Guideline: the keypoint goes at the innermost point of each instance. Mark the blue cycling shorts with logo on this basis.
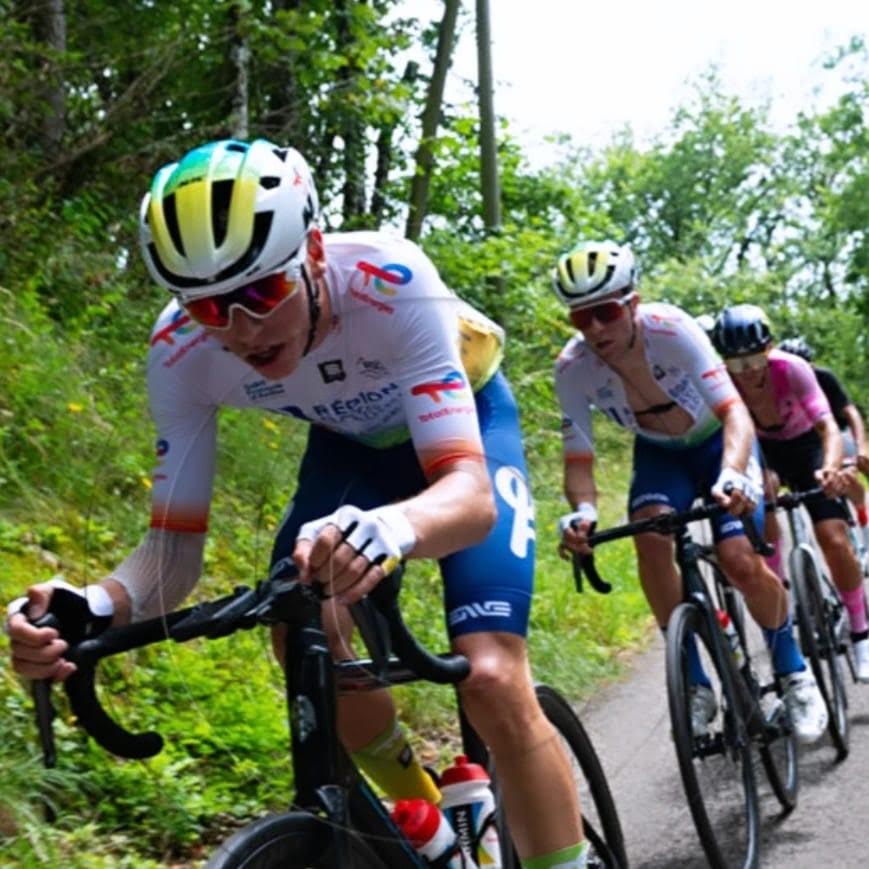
(487, 587)
(675, 477)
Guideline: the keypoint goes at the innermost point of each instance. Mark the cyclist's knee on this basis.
(498, 696)
(741, 564)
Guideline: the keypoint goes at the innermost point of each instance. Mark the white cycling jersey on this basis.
(683, 362)
(402, 360)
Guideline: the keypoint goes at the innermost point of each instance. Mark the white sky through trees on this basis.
(589, 69)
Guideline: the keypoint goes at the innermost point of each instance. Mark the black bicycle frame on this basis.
(327, 783)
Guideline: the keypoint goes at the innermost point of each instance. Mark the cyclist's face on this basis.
(274, 344)
(608, 332)
(749, 372)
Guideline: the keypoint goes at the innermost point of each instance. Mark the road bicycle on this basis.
(820, 616)
(336, 820)
(717, 766)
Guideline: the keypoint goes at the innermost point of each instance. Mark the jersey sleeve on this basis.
(805, 389)
(185, 452)
(437, 396)
(576, 430)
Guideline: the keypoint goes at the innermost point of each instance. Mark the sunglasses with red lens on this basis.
(606, 312)
(258, 299)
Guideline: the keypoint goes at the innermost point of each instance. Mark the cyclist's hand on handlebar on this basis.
(832, 480)
(574, 529)
(736, 492)
(37, 652)
(351, 550)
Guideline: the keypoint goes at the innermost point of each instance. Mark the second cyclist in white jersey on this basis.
(651, 369)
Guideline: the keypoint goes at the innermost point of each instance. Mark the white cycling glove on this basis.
(384, 533)
(585, 512)
(741, 482)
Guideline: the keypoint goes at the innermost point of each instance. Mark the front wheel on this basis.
(714, 750)
(296, 840)
(820, 645)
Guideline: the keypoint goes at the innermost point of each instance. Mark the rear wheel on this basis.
(815, 620)
(292, 841)
(716, 764)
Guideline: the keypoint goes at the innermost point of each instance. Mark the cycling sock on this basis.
(855, 603)
(388, 760)
(696, 673)
(786, 656)
(572, 857)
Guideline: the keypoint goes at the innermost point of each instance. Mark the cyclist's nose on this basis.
(242, 326)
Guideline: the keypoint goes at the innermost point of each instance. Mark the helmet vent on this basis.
(262, 223)
(171, 215)
(237, 146)
(281, 154)
(221, 195)
(269, 181)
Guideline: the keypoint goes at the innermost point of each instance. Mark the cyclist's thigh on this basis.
(337, 470)
(488, 587)
(662, 476)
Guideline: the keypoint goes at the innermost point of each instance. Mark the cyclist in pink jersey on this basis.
(414, 451)
(801, 443)
(650, 368)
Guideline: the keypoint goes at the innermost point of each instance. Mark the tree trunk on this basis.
(489, 183)
(49, 27)
(239, 56)
(352, 126)
(424, 153)
(488, 144)
(384, 154)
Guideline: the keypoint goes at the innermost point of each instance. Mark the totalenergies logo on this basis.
(385, 278)
(180, 325)
(452, 386)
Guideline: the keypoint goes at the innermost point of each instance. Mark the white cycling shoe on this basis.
(703, 709)
(805, 705)
(861, 658)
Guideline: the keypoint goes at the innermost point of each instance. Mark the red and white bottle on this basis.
(431, 834)
(469, 804)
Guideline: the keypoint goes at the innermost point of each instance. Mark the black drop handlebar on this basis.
(662, 523)
(270, 602)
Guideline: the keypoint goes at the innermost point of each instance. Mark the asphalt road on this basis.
(629, 724)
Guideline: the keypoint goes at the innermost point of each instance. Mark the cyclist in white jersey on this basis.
(651, 369)
(414, 450)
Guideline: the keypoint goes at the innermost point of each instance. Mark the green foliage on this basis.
(719, 208)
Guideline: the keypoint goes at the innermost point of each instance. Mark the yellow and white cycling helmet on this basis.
(594, 269)
(225, 213)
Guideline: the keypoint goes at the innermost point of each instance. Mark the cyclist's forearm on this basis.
(159, 573)
(579, 486)
(858, 430)
(737, 437)
(832, 443)
(455, 511)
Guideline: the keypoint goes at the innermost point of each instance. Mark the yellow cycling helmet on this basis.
(225, 213)
(594, 269)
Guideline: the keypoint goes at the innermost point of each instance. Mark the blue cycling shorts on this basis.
(676, 476)
(486, 587)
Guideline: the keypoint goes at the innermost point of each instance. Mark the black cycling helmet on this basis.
(798, 347)
(741, 330)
